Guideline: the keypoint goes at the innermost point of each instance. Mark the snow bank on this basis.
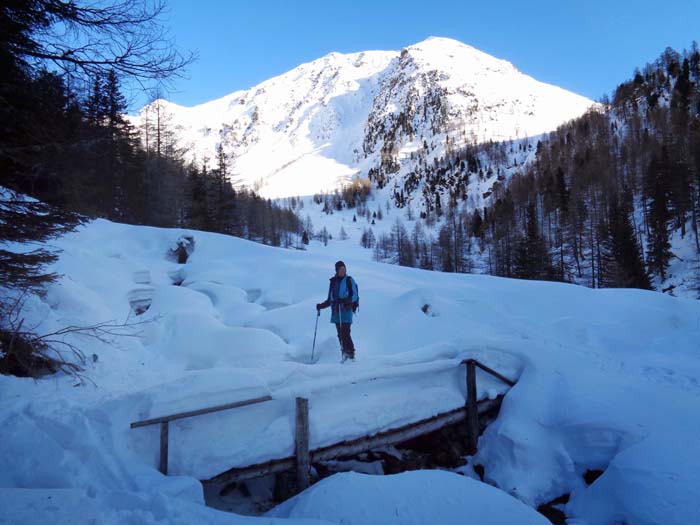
(116, 508)
(409, 498)
(654, 481)
(621, 376)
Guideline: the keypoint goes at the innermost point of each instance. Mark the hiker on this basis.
(343, 298)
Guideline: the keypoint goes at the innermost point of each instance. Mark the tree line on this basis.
(64, 141)
(599, 204)
(608, 191)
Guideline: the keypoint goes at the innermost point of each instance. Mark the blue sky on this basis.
(585, 46)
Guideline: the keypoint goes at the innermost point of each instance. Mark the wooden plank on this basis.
(359, 445)
(472, 409)
(255, 471)
(301, 442)
(164, 448)
(389, 437)
(200, 412)
(400, 434)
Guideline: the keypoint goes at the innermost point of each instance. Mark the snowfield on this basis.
(607, 379)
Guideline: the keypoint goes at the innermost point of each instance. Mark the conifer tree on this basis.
(658, 214)
(622, 260)
(532, 260)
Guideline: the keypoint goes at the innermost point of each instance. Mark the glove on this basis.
(318, 307)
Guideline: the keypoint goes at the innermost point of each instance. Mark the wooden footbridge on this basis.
(304, 456)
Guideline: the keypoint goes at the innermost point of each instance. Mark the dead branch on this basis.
(25, 353)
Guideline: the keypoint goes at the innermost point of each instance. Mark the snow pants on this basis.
(346, 343)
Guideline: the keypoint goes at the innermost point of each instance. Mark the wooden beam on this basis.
(255, 471)
(359, 445)
(301, 442)
(472, 409)
(389, 437)
(164, 448)
(491, 371)
(200, 412)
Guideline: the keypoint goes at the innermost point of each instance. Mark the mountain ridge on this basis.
(342, 115)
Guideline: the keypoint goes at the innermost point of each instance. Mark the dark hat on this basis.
(338, 265)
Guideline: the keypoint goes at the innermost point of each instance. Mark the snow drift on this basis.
(607, 380)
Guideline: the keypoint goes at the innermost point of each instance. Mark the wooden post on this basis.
(301, 441)
(164, 447)
(472, 409)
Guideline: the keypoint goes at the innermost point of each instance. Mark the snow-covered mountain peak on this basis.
(449, 54)
(344, 115)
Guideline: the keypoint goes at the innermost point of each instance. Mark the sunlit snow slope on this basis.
(326, 121)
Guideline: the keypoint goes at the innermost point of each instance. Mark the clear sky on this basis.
(584, 46)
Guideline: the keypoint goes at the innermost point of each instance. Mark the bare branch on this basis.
(127, 36)
(24, 353)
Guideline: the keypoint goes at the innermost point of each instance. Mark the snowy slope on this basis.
(326, 121)
(606, 378)
(485, 98)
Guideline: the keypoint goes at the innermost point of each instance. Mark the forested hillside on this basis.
(65, 140)
(611, 199)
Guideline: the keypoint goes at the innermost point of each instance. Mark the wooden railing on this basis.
(471, 401)
(165, 420)
(304, 456)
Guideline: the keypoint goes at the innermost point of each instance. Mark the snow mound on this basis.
(409, 498)
(628, 491)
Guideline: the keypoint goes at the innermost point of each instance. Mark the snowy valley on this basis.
(456, 145)
(203, 241)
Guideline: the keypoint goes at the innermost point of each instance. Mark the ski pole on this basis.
(318, 314)
(342, 338)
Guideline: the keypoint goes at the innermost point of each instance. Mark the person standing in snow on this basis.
(343, 298)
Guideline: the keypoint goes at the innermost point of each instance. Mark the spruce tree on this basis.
(197, 216)
(28, 221)
(371, 239)
(532, 260)
(622, 256)
(658, 215)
